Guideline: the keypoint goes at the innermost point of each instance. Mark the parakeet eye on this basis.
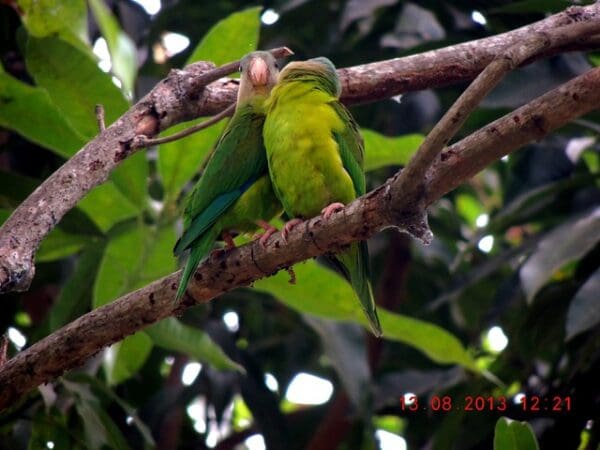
(276, 66)
(241, 69)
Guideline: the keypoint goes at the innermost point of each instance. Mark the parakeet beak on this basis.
(259, 72)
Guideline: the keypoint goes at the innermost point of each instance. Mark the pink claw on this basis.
(288, 227)
(330, 209)
(228, 239)
(264, 237)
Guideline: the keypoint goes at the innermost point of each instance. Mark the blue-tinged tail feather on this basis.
(199, 249)
(354, 264)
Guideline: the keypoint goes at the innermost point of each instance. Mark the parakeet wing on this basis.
(351, 147)
(236, 163)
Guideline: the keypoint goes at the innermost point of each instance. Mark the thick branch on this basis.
(412, 180)
(456, 63)
(528, 123)
(71, 345)
(182, 96)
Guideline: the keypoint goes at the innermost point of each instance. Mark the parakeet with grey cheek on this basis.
(234, 192)
(315, 157)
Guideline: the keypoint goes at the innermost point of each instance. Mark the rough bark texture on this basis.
(182, 96)
(71, 345)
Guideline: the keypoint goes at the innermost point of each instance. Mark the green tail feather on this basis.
(354, 264)
(198, 250)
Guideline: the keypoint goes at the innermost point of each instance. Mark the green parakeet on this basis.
(234, 192)
(315, 156)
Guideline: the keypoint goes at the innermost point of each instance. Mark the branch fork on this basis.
(401, 201)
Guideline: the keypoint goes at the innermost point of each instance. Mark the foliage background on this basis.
(517, 247)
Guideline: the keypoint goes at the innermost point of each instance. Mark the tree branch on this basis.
(456, 63)
(143, 141)
(412, 180)
(184, 95)
(71, 345)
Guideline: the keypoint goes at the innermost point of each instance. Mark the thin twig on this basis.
(100, 117)
(142, 141)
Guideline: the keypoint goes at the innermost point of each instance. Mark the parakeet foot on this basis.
(269, 231)
(228, 239)
(330, 209)
(289, 226)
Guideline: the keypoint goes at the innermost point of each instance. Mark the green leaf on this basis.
(180, 160)
(58, 245)
(438, 344)
(513, 435)
(106, 206)
(346, 348)
(321, 292)
(584, 310)
(4, 214)
(30, 112)
(49, 426)
(131, 177)
(468, 207)
(171, 334)
(122, 50)
(50, 17)
(98, 386)
(135, 255)
(567, 242)
(229, 39)
(75, 296)
(100, 430)
(381, 151)
(532, 6)
(75, 83)
(124, 359)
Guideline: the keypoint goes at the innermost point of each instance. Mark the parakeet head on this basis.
(259, 74)
(320, 70)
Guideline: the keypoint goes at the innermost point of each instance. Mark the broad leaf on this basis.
(59, 244)
(345, 346)
(124, 359)
(228, 40)
(513, 435)
(131, 178)
(100, 430)
(30, 112)
(180, 160)
(49, 426)
(134, 256)
(122, 50)
(50, 17)
(75, 83)
(106, 206)
(75, 296)
(381, 151)
(566, 243)
(98, 386)
(171, 334)
(321, 292)
(584, 310)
